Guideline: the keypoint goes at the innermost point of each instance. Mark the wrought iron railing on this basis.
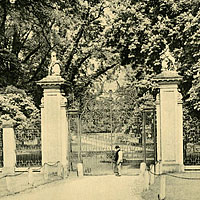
(28, 147)
(191, 145)
(191, 153)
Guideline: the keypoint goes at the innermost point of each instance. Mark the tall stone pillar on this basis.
(9, 147)
(54, 131)
(169, 121)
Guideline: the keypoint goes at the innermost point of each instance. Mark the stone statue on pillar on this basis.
(54, 67)
(168, 60)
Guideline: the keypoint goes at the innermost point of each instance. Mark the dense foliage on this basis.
(141, 31)
(17, 106)
(74, 29)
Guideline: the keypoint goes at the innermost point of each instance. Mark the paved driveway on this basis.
(86, 188)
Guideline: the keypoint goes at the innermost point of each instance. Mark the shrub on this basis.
(17, 106)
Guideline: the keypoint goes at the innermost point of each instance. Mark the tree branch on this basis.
(99, 14)
(31, 53)
(2, 27)
(71, 55)
(80, 34)
(76, 67)
(98, 74)
(4, 16)
(43, 32)
(25, 39)
(38, 68)
(83, 60)
(16, 44)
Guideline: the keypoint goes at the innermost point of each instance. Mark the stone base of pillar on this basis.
(173, 167)
(8, 170)
(182, 168)
(65, 172)
(80, 169)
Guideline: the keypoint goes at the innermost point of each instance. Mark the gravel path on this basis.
(86, 188)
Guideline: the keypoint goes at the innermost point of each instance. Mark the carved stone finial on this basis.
(54, 67)
(7, 123)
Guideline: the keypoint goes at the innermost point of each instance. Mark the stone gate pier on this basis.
(169, 122)
(54, 126)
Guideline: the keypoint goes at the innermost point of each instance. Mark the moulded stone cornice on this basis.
(167, 77)
(51, 81)
(7, 124)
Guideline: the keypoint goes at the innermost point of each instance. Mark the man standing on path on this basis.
(118, 161)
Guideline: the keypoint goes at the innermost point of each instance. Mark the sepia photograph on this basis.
(99, 99)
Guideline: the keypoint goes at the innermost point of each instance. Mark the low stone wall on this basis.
(20, 181)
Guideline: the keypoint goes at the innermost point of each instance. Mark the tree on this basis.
(27, 38)
(16, 106)
(194, 91)
(140, 32)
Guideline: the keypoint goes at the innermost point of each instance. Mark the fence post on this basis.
(142, 168)
(65, 170)
(142, 174)
(9, 147)
(60, 169)
(152, 178)
(80, 169)
(162, 183)
(157, 168)
(8, 183)
(30, 177)
(146, 180)
(45, 171)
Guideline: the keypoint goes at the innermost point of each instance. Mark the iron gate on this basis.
(103, 127)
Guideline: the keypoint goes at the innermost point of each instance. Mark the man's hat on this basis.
(117, 147)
